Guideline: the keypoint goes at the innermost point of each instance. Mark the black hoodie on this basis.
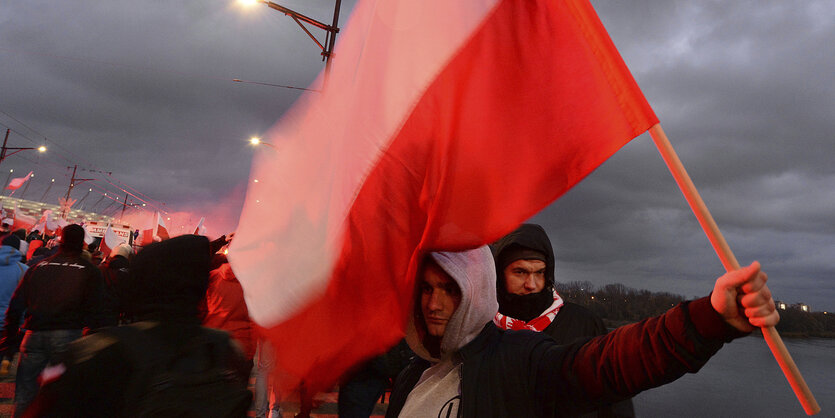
(572, 322)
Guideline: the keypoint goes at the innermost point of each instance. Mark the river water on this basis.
(744, 380)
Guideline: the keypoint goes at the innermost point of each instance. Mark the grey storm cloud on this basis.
(744, 89)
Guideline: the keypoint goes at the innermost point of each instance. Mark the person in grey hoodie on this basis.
(469, 367)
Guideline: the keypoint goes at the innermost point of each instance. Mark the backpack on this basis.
(194, 378)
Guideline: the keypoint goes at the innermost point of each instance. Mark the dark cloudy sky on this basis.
(745, 90)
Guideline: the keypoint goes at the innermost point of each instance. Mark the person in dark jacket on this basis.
(528, 300)
(469, 367)
(99, 377)
(60, 296)
(115, 272)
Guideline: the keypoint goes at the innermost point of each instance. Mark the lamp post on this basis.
(26, 187)
(47, 190)
(4, 154)
(9, 177)
(300, 19)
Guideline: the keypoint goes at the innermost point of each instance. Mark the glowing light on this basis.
(254, 140)
(53, 180)
(11, 171)
(247, 3)
(41, 148)
(256, 180)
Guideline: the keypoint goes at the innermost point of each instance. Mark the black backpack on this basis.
(192, 378)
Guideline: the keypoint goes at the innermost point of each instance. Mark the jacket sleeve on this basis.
(631, 358)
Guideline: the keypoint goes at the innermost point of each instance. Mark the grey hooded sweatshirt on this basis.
(437, 393)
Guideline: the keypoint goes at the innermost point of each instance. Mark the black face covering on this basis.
(525, 307)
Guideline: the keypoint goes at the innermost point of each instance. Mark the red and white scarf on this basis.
(537, 324)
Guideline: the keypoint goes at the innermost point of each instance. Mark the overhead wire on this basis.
(55, 164)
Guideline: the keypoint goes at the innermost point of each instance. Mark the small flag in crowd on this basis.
(110, 241)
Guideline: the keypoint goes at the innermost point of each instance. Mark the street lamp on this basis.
(300, 19)
(255, 141)
(4, 154)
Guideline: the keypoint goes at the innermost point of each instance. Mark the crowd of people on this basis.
(165, 331)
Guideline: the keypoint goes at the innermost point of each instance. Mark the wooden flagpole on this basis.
(772, 338)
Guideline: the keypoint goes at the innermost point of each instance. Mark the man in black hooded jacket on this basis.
(528, 300)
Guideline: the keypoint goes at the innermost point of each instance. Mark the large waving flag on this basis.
(17, 182)
(445, 124)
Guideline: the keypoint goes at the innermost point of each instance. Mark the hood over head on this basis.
(474, 272)
(168, 279)
(529, 241)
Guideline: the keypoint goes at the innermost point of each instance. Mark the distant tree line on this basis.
(618, 304)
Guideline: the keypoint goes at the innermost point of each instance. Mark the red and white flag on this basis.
(161, 230)
(110, 240)
(157, 232)
(46, 224)
(200, 229)
(445, 124)
(22, 221)
(17, 182)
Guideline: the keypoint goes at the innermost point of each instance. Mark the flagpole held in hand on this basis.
(772, 338)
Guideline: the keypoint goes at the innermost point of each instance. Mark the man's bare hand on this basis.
(744, 300)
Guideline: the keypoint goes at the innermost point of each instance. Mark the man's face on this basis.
(523, 277)
(439, 298)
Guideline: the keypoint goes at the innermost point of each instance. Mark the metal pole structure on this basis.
(3, 152)
(124, 206)
(331, 42)
(331, 31)
(108, 207)
(47, 190)
(73, 181)
(7, 177)
(25, 188)
(97, 202)
(82, 199)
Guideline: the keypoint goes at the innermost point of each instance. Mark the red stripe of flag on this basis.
(529, 104)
